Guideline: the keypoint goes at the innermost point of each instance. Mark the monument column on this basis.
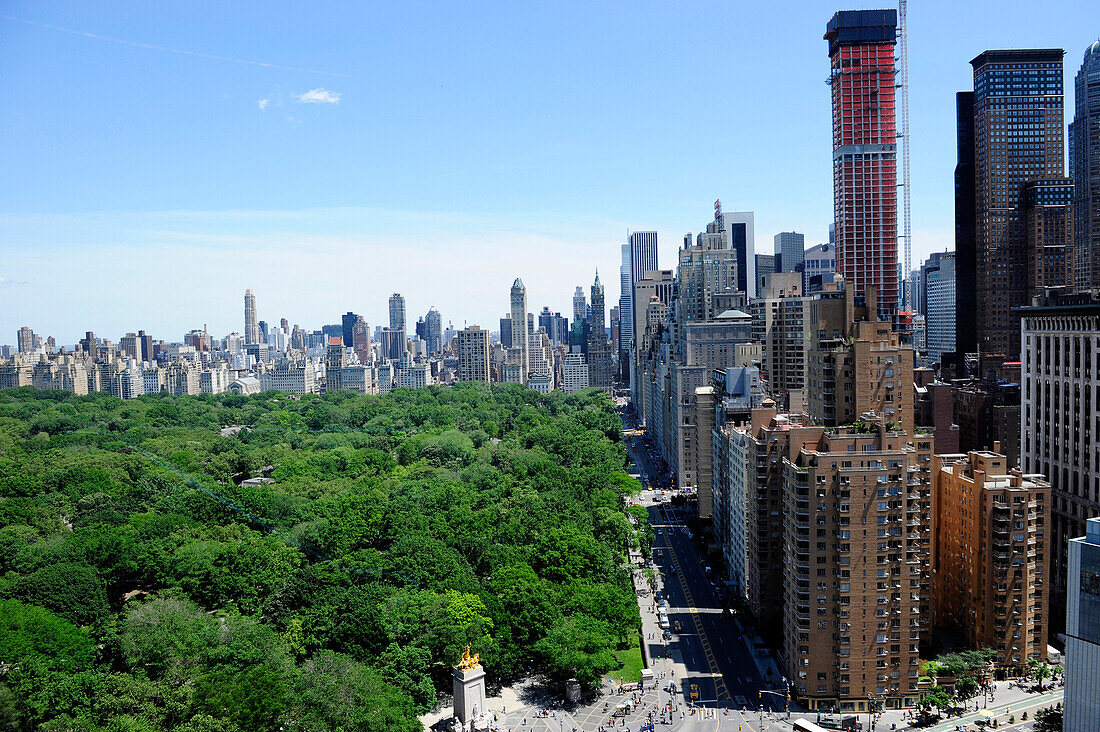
(469, 688)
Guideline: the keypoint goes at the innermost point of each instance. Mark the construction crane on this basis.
(906, 231)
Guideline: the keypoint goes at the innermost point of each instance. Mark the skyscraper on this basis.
(580, 309)
(434, 330)
(599, 348)
(347, 323)
(639, 258)
(790, 249)
(25, 338)
(865, 195)
(939, 294)
(520, 339)
(1018, 122)
(1084, 163)
(251, 325)
(397, 311)
(360, 339)
(738, 233)
(966, 252)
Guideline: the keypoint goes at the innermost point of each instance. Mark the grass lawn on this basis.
(631, 660)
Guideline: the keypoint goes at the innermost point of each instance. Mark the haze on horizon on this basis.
(163, 159)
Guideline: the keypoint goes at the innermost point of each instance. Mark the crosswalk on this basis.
(720, 690)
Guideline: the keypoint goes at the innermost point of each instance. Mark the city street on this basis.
(710, 650)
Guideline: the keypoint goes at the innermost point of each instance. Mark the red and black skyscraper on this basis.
(865, 175)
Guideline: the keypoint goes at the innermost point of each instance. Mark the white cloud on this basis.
(263, 103)
(319, 96)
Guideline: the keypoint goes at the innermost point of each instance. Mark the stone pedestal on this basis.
(469, 693)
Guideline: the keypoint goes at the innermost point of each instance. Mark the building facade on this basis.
(251, 325)
(856, 567)
(1082, 697)
(790, 250)
(1018, 136)
(1047, 215)
(471, 346)
(939, 301)
(397, 311)
(857, 363)
(1084, 169)
(865, 197)
(1061, 418)
(520, 336)
(992, 555)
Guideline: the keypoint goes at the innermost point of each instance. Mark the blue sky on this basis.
(159, 158)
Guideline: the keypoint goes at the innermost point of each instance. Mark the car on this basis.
(677, 626)
(658, 532)
(693, 692)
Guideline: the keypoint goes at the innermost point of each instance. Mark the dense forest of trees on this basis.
(143, 588)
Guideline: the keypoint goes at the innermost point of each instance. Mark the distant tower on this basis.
(434, 323)
(397, 311)
(519, 326)
(251, 325)
(580, 308)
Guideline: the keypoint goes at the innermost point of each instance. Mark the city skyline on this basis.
(318, 233)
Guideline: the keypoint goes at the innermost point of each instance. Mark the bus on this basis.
(804, 725)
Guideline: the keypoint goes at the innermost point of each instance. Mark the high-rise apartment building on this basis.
(26, 340)
(433, 323)
(656, 286)
(938, 284)
(1082, 710)
(1084, 169)
(471, 347)
(779, 323)
(865, 176)
(574, 373)
(1060, 422)
(790, 250)
(749, 457)
(1018, 136)
(397, 311)
(360, 340)
(857, 363)
(856, 567)
(520, 336)
(1047, 215)
(251, 325)
(992, 555)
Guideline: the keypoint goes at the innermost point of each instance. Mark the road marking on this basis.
(720, 690)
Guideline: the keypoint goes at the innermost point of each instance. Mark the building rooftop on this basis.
(1018, 55)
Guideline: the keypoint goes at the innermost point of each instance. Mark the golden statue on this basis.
(468, 662)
